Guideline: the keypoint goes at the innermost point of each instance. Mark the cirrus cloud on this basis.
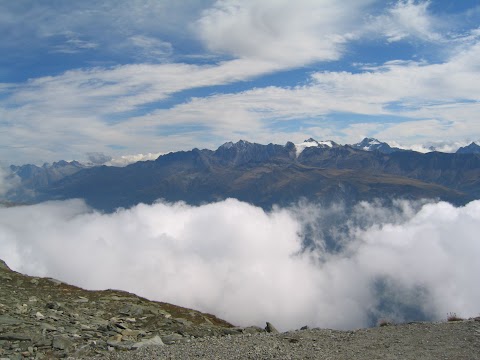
(231, 84)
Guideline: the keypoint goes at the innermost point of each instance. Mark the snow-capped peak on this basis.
(371, 144)
(314, 143)
(227, 145)
(241, 144)
(327, 143)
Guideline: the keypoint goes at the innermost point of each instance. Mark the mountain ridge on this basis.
(263, 175)
(372, 144)
(473, 148)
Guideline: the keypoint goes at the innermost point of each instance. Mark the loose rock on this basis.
(270, 328)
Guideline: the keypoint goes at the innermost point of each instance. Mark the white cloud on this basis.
(72, 44)
(80, 109)
(109, 26)
(125, 160)
(442, 99)
(151, 49)
(436, 101)
(98, 158)
(407, 18)
(442, 146)
(247, 266)
(282, 32)
(413, 83)
(104, 108)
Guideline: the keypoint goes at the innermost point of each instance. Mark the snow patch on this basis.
(125, 160)
(313, 143)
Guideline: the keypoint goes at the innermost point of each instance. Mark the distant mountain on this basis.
(47, 173)
(371, 144)
(269, 174)
(328, 144)
(34, 177)
(473, 148)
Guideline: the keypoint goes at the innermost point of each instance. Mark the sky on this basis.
(126, 78)
(249, 266)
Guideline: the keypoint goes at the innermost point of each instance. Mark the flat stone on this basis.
(81, 300)
(232, 331)
(120, 345)
(15, 337)
(9, 320)
(128, 332)
(155, 341)
(253, 330)
(21, 309)
(156, 311)
(48, 327)
(116, 338)
(172, 338)
(132, 310)
(55, 281)
(121, 326)
(62, 343)
(81, 351)
(39, 315)
(98, 322)
(43, 342)
(116, 298)
(53, 317)
(184, 322)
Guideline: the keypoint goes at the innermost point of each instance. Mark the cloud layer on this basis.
(247, 266)
(279, 31)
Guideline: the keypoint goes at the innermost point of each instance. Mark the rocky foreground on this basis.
(459, 340)
(46, 318)
(43, 318)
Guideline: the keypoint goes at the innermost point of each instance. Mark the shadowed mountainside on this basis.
(274, 174)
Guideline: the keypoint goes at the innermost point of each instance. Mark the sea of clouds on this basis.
(307, 264)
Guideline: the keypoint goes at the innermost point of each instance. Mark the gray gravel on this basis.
(448, 340)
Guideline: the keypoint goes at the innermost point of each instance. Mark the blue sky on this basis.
(152, 76)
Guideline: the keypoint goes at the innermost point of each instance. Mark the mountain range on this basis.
(263, 175)
(473, 148)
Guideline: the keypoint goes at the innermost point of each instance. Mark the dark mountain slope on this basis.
(34, 177)
(456, 171)
(272, 174)
(473, 148)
